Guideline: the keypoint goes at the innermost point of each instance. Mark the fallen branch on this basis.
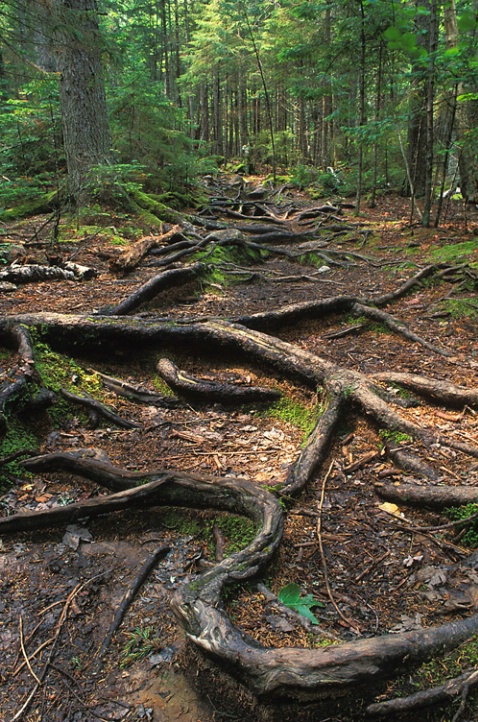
(133, 255)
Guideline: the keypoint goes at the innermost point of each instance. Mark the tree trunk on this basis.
(87, 138)
(417, 119)
(432, 47)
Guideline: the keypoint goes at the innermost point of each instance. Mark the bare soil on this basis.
(61, 588)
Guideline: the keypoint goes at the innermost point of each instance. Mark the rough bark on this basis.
(77, 49)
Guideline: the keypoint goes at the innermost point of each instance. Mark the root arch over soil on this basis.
(287, 673)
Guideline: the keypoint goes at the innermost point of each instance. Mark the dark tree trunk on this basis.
(86, 131)
(417, 121)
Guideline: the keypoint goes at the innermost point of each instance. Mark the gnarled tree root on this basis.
(426, 698)
(210, 391)
(289, 672)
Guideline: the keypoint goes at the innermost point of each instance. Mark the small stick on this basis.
(128, 598)
(24, 651)
(54, 639)
(349, 622)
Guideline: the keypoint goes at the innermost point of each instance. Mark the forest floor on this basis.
(65, 585)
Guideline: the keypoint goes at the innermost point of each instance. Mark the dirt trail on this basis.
(381, 577)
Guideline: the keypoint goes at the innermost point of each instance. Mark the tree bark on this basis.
(77, 48)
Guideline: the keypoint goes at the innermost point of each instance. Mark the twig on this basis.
(24, 652)
(54, 639)
(350, 623)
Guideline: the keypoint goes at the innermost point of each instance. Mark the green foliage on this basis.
(237, 530)
(291, 597)
(108, 182)
(141, 642)
(149, 134)
(470, 538)
(437, 671)
(398, 437)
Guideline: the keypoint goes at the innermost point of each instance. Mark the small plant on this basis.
(140, 643)
(291, 597)
(76, 663)
(460, 307)
(398, 437)
(463, 513)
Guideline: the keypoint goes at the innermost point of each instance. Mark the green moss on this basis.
(57, 371)
(457, 513)
(237, 530)
(162, 387)
(437, 671)
(454, 251)
(43, 204)
(218, 256)
(18, 437)
(295, 413)
(460, 307)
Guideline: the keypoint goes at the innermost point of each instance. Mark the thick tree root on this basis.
(431, 497)
(161, 282)
(426, 698)
(291, 672)
(270, 673)
(210, 391)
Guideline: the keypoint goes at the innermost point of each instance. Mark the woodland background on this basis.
(365, 94)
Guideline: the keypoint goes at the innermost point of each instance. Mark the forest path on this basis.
(382, 578)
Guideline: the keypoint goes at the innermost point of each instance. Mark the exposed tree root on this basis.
(444, 693)
(210, 391)
(90, 403)
(139, 395)
(161, 282)
(431, 497)
(291, 672)
(134, 254)
(128, 598)
(270, 673)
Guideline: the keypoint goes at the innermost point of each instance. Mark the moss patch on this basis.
(238, 531)
(454, 251)
(295, 413)
(19, 437)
